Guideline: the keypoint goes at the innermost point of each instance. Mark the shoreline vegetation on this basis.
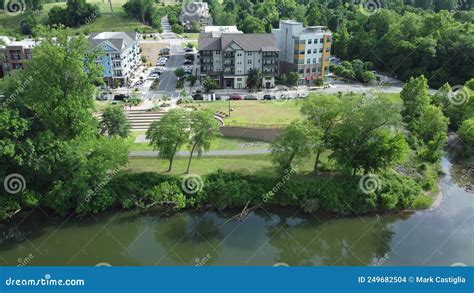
(349, 153)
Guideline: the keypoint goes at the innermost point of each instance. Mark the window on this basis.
(308, 61)
(320, 50)
(249, 53)
(321, 40)
(315, 41)
(320, 59)
(249, 61)
(218, 52)
(301, 71)
(239, 79)
(307, 70)
(328, 49)
(314, 60)
(310, 41)
(315, 51)
(313, 70)
(308, 52)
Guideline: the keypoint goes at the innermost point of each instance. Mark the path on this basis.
(207, 154)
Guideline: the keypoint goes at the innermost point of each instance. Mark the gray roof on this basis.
(248, 42)
(119, 40)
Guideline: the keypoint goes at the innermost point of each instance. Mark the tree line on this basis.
(400, 39)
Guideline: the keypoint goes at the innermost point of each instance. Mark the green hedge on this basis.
(230, 190)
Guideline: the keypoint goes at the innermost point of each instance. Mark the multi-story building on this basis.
(195, 13)
(228, 57)
(15, 54)
(121, 56)
(303, 50)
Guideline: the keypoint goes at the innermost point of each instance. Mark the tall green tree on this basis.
(322, 112)
(114, 122)
(364, 123)
(203, 129)
(431, 130)
(295, 143)
(169, 134)
(466, 133)
(53, 141)
(415, 99)
(254, 78)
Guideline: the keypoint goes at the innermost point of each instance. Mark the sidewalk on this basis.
(207, 154)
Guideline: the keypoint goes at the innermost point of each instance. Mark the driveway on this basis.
(168, 79)
(207, 154)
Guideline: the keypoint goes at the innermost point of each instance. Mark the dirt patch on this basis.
(151, 50)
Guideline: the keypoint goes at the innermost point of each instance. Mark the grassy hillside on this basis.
(108, 21)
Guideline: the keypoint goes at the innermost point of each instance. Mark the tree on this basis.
(252, 25)
(27, 25)
(209, 84)
(368, 76)
(322, 112)
(192, 79)
(295, 143)
(169, 134)
(179, 72)
(431, 131)
(254, 78)
(177, 28)
(415, 99)
(53, 141)
(364, 120)
(383, 149)
(466, 133)
(203, 129)
(292, 78)
(76, 13)
(114, 122)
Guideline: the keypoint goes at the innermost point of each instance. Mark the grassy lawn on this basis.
(263, 112)
(259, 112)
(108, 21)
(205, 165)
(221, 143)
(190, 35)
(247, 164)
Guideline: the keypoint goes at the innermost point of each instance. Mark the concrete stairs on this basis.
(140, 120)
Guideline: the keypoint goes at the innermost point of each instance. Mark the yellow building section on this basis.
(299, 47)
(326, 45)
(299, 56)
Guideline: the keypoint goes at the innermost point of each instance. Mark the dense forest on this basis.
(430, 37)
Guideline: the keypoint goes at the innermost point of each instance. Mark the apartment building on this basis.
(121, 57)
(228, 57)
(305, 50)
(15, 54)
(195, 12)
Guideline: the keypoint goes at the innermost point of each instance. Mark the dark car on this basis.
(121, 97)
(236, 97)
(198, 97)
(268, 97)
(250, 98)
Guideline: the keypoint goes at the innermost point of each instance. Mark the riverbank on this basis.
(266, 236)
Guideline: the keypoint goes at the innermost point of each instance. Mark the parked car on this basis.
(250, 98)
(187, 61)
(268, 97)
(121, 97)
(153, 76)
(302, 95)
(187, 49)
(198, 97)
(236, 97)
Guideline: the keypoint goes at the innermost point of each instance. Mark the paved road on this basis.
(209, 153)
(168, 78)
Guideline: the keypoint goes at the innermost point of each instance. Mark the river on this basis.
(440, 237)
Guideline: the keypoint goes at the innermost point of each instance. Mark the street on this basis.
(168, 79)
